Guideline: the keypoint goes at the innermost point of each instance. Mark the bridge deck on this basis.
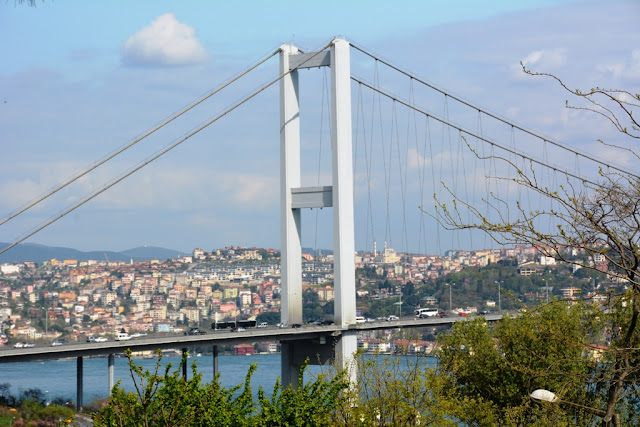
(213, 338)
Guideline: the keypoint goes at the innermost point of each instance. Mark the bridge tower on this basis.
(339, 196)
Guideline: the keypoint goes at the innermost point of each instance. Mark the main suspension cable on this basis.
(474, 135)
(163, 152)
(492, 115)
(135, 141)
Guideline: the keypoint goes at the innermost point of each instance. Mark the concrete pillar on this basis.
(291, 304)
(79, 390)
(290, 219)
(215, 361)
(111, 372)
(290, 369)
(343, 220)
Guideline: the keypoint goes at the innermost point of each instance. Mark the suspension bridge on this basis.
(389, 148)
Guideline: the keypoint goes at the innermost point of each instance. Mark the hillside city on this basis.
(77, 299)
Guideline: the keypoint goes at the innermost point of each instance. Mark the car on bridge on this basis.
(123, 336)
(195, 331)
(96, 339)
(60, 341)
(392, 317)
(24, 344)
(139, 335)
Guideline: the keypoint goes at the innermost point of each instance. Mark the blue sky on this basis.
(82, 78)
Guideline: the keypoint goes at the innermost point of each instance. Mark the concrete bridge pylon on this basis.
(339, 196)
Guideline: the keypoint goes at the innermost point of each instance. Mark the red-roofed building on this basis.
(243, 349)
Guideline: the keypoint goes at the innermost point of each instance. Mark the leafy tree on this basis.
(406, 391)
(271, 317)
(309, 404)
(328, 309)
(5, 395)
(168, 399)
(598, 220)
(311, 307)
(547, 348)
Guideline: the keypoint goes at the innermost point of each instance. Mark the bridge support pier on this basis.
(345, 349)
(111, 372)
(215, 361)
(79, 383)
(289, 368)
(295, 352)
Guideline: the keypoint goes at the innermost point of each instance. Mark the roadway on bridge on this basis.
(212, 338)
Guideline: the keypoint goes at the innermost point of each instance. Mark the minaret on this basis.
(375, 250)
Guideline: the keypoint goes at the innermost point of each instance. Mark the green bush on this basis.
(170, 400)
(8, 416)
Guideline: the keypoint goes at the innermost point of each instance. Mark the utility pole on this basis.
(546, 285)
(46, 323)
(499, 283)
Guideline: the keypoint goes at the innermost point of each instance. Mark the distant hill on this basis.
(39, 253)
(152, 252)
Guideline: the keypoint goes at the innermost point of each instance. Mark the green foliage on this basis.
(170, 400)
(32, 412)
(271, 317)
(312, 309)
(393, 391)
(8, 416)
(310, 404)
(503, 364)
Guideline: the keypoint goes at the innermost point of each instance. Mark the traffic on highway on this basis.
(220, 329)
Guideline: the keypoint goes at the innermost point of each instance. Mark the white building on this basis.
(10, 268)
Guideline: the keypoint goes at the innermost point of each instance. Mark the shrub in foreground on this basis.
(167, 399)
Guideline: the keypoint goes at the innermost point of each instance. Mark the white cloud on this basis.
(533, 57)
(546, 59)
(613, 69)
(628, 69)
(416, 160)
(166, 41)
(626, 97)
(614, 156)
(17, 193)
(513, 112)
(252, 190)
(540, 61)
